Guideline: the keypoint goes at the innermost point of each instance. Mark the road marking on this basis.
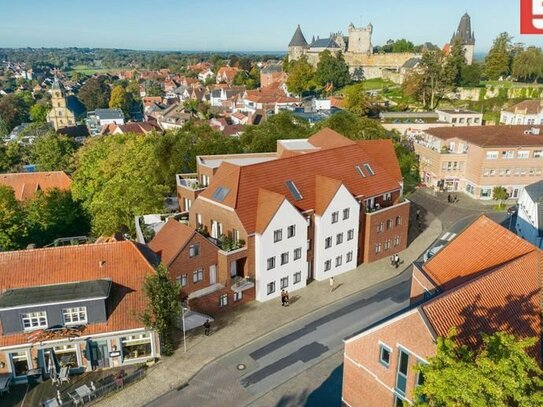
(448, 236)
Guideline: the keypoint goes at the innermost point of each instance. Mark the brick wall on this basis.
(419, 285)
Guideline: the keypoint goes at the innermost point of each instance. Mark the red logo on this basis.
(531, 16)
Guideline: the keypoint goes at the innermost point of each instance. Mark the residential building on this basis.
(59, 116)
(26, 184)
(527, 112)
(476, 159)
(271, 99)
(460, 117)
(205, 75)
(226, 74)
(192, 260)
(173, 117)
(497, 292)
(529, 223)
(316, 208)
(272, 75)
(101, 117)
(133, 127)
(83, 302)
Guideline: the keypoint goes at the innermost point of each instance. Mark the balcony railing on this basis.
(189, 181)
(242, 283)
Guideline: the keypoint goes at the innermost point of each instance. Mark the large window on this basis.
(491, 155)
(271, 287)
(339, 261)
(238, 295)
(378, 248)
(349, 257)
(77, 315)
(403, 366)
(136, 346)
(34, 320)
(277, 235)
(328, 243)
(223, 300)
(523, 154)
(291, 231)
(271, 263)
(198, 275)
(327, 265)
(297, 277)
(182, 280)
(19, 360)
(67, 355)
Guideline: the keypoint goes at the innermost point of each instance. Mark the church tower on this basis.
(297, 46)
(466, 37)
(59, 116)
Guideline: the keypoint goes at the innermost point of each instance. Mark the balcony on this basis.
(189, 181)
(240, 284)
(387, 205)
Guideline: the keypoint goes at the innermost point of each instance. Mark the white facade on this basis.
(460, 117)
(321, 104)
(336, 250)
(267, 247)
(528, 223)
(520, 118)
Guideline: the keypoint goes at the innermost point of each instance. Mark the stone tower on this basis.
(297, 46)
(360, 39)
(59, 116)
(466, 37)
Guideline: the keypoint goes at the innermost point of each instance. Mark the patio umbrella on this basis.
(53, 365)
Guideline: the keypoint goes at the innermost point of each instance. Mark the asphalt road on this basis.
(245, 375)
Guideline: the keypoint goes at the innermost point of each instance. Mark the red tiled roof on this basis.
(484, 245)
(325, 190)
(505, 299)
(490, 136)
(170, 240)
(328, 138)
(267, 206)
(381, 151)
(26, 184)
(122, 262)
(532, 107)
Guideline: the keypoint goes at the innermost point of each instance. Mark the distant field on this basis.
(89, 70)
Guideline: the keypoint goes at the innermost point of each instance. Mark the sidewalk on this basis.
(255, 320)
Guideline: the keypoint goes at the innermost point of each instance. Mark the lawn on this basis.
(90, 70)
(377, 83)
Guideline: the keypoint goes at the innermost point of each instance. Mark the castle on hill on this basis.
(357, 49)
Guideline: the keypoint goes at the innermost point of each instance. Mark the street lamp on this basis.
(184, 332)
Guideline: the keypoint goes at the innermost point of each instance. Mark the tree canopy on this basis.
(95, 93)
(14, 109)
(528, 65)
(53, 152)
(13, 229)
(121, 99)
(300, 76)
(332, 69)
(356, 100)
(497, 61)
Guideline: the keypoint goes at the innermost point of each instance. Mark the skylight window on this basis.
(360, 171)
(294, 190)
(369, 169)
(220, 193)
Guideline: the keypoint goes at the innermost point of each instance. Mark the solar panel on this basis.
(293, 190)
(360, 171)
(220, 193)
(369, 169)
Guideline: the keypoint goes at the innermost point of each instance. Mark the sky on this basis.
(243, 25)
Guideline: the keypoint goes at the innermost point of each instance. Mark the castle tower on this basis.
(59, 116)
(466, 37)
(360, 39)
(297, 46)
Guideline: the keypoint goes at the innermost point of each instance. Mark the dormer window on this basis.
(34, 320)
(74, 316)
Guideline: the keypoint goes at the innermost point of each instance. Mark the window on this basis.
(486, 192)
(507, 155)
(19, 360)
(378, 248)
(284, 282)
(291, 231)
(360, 172)
(387, 244)
(271, 263)
(194, 250)
(298, 253)
(538, 154)
(220, 193)
(223, 300)
(398, 220)
(136, 346)
(350, 234)
(328, 242)
(238, 295)
(308, 221)
(182, 280)
(339, 238)
(198, 275)
(297, 277)
(284, 258)
(403, 366)
(349, 257)
(387, 196)
(34, 320)
(271, 287)
(277, 235)
(398, 401)
(294, 190)
(198, 219)
(384, 355)
(327, 265)
(389, 223)
(339, 261)
(346, 213)
(77, 315)
(335, 217)
(369, 169)
(523, 154)
(396, 240)
(66, 355)
(380, 227)
(491, 155)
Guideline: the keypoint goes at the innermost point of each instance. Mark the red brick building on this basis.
(483, 288)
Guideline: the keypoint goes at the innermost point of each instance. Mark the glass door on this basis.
(401, 378)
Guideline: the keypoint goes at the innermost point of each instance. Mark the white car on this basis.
(432, 252)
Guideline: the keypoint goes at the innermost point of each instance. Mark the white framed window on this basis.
(327, 265)
(339, 261)
(182, 280)
(223, 300)
(270, 287)
(387, 244)
(335, 217)
(396, 240)
(384, 355)
(389, 223)
(538, 154)
(328, 242)
(350, 234)
(271, 263)
(491, 155)
(75, 315)
(349, 257)
(19, 363)
(194, 250)
(67, 355)
(238, 295)
(523, 154)
(339, 238)
(34, 320)
(136, 346)
(197, 275)
(508, 155)
(378, 248)
(398, 220)
(298, 253)
(486, 192)
(297, 277)
(277, 235)
(346, 213)
(284, 258)
(291, 231)
(284, 282)
(380, 227)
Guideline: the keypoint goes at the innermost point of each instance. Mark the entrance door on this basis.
(309, 270)
(233, 269)
(515, 192)
(99, 354)
(213, 274)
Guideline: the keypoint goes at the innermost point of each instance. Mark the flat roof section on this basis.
(214, 161)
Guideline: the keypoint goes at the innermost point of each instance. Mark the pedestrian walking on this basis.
(392, 261)
(283, 298)
(449, 198)
(396, 261)
(207, 327)
(331, 284)
(417, 214)
(287, 299)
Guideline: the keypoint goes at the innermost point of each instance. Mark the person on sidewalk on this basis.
(286, 298)
(207, 327)
(283, 298)
(331, 284)
(417, 214)
(392, 260)
(396, 260)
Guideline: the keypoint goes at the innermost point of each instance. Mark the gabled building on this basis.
(226, 74)
(26, 184)
(530, 214)
(527, 112)
(134, 127)
(492, 287)
(173, 117)
(316, 208)
(83, 302)
(102, 117)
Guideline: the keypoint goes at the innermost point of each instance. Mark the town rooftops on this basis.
(272, 68)
(491, 136)
(530, 107)
(108, 114)
(535, 191)
(26, 184)
(54, 293)
(324, 43)
(171, 239)
(485, 244)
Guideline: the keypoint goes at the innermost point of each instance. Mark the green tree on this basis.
(121, 99)
(53, 152)
(301, 76)
(500, 373)
(14, 110)
(12, 223)
(38, 112)
(455, 63)
(358, 74)
(94, 93)
(163, 307)
(435, 78)
(528, 65)
(332, 69)
(355, 99)
(153, 88)
(403, 45)
(499, 193)
(13, 156)
(497, 61)
(470, 75)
